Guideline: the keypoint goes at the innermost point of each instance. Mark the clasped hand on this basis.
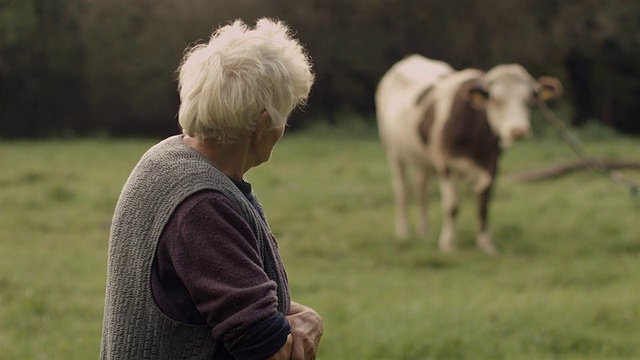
(306, 331)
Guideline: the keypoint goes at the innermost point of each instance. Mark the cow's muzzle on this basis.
(518, 133)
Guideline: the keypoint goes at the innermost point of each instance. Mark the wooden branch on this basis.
(563, 169)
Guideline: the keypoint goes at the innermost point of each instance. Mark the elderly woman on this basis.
(194, 270)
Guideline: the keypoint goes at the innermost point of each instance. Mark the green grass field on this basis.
(566, 285)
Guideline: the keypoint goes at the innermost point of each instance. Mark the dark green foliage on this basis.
(78, 67)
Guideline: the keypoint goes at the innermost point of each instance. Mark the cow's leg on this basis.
(423, 175)
(483, 238)
(449, 212)
(400, 190)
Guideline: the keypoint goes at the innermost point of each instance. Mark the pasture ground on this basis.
(566, 285)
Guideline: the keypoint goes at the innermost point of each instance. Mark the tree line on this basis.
(107, 67)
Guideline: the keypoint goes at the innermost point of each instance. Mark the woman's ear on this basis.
(264, 122)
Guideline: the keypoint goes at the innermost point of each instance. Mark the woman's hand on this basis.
(285, 351)
(306, 331)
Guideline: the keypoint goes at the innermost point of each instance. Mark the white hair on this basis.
(226, 84)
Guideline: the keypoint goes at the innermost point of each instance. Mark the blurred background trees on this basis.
(107, 67)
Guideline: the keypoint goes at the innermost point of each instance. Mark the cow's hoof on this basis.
(447, 248)
(451, 250)
(486, 245)
(402, 238)
(491, 250)
(488, 248)
(402, 234)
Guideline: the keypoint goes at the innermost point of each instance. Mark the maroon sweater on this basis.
(207, 271)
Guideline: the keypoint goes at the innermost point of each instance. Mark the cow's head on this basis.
(506, 93)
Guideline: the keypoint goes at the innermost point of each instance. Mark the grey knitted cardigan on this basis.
(133, 326)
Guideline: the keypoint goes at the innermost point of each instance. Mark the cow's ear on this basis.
(550, 88)
(478, 95)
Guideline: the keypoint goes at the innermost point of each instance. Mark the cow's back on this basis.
(398, 108)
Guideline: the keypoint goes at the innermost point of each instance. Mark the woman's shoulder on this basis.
(202, 200)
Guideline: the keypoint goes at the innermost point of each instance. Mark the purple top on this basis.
(208, 270)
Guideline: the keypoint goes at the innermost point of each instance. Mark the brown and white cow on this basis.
(454, 123)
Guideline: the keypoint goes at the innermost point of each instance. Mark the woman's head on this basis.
(226, 84)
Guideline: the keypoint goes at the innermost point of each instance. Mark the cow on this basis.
(453, 124)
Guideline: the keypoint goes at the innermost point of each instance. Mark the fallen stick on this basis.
(563, 169)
